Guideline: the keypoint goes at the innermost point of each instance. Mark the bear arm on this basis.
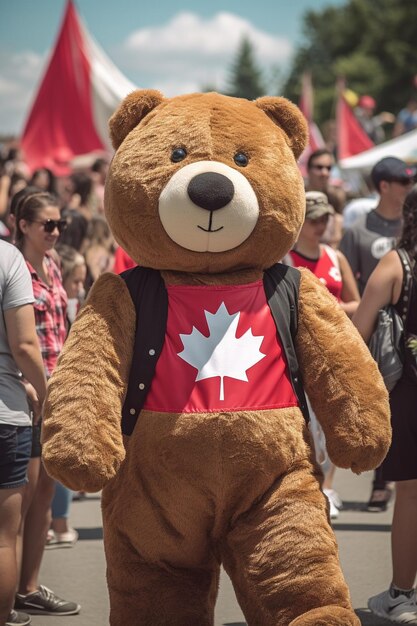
(81, 432)
(342, 380)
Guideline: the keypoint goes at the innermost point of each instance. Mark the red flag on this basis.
(351, 138)
(79, 91)
(306, 106)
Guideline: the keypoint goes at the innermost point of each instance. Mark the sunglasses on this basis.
(50, 225)
(322, 167)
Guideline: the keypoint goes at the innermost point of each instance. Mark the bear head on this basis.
(205, 182)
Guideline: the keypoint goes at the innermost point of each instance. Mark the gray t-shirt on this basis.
(366, 242)
(15, 290)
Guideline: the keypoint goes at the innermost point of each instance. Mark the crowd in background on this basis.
(80, 198)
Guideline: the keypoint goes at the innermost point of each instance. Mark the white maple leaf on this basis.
(221, 353)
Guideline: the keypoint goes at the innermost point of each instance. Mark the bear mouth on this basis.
(210, 224)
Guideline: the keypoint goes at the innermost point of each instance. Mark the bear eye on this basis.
(241, 159)
(178, 154)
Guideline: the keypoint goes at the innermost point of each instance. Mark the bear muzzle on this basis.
(208, 206)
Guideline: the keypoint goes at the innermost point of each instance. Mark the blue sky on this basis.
(173, 46)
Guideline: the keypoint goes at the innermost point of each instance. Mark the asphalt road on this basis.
(78, 573)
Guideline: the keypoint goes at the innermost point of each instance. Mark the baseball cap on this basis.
(392, 169)
(317, 204)
(367, 102)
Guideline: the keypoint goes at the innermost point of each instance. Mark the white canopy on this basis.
(403, 147)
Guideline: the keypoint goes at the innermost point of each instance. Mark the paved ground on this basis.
(364, 542)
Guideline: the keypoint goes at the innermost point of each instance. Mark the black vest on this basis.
(149, 295)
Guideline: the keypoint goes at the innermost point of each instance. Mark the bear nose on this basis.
(210, 190)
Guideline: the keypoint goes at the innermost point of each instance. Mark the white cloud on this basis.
(189, 51)
(20, 75)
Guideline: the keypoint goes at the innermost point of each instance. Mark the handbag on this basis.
(387, 343)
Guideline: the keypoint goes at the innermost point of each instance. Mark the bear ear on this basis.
(289, 117)
(131, 111)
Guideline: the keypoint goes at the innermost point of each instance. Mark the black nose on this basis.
(211, 191)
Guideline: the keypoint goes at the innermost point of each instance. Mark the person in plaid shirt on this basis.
(50, 312)
(38, 225)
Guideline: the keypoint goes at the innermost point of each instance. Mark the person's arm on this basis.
(382, 286)
(24, 346)
(341, 380)
(81, 430)
(4, 194)
(350, 297)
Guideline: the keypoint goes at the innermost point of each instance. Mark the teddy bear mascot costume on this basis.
(178, 391)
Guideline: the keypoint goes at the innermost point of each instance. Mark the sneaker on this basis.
(334, 501)
(45, 602)
(401, 610)
(61, 540)
(16, 618)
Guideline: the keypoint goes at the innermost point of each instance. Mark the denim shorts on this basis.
(15, 448)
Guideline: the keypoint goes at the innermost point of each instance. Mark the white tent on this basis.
(79, 91)
(403, 147)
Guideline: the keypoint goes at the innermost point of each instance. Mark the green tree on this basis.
(246, 78)
(371, 43)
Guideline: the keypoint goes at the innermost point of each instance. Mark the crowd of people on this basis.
(368, 246)
(55, 242)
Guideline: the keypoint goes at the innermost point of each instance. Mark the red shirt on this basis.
(50, 313)
(221, 353)
(122, 261)
(326, 268)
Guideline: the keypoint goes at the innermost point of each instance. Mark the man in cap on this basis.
(368, 240)
(375, 234)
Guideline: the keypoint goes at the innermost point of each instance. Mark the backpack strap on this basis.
(282, 284)
(149, 295)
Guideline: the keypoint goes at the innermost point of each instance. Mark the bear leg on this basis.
(159, 595)
(327, 616)
(282, 557)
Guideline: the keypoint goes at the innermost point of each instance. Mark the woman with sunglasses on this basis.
(331, 267)
(38, 225)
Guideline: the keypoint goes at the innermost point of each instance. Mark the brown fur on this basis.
(353, 419)
(86, 392)
(196, 490)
